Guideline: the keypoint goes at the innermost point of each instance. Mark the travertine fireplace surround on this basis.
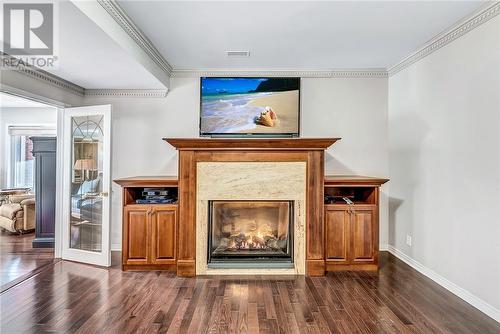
(250, 181)
(260, 169)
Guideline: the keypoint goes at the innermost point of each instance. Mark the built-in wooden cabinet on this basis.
(337, 229)
(149, 234)
(163, 226)
(351, 235)
(352, 230)
(364, 235)
(152, 234)
(136, 235)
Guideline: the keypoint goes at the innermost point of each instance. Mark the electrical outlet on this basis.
(408, 240)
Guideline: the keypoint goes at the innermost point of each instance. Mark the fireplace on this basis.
(246, 234)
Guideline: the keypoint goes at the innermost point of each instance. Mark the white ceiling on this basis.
(321, 35)
(292, 34)
(89, 58)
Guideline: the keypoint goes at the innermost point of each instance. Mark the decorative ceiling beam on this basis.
(116, 24)
(56, 81)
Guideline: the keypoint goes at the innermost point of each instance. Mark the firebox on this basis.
(250, 234)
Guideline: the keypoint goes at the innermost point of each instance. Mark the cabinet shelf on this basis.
(354, 206)
(358, 195)
(142, 206)
(131, 194)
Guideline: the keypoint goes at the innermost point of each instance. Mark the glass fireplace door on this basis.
(250, 231)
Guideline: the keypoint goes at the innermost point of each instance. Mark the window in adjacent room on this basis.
(22, 169)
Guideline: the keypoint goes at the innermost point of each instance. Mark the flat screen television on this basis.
(266, 107)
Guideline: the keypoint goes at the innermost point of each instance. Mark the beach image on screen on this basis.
(249, 105)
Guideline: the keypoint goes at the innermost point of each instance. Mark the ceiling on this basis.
(292, 34)
(89, 58)
(314, 35)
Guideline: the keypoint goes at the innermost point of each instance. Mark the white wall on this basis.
(355, 109)
(19, 117)
(444, 158)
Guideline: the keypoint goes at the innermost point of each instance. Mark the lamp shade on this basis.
(85, 164)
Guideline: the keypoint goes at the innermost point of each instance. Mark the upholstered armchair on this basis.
(18, 213)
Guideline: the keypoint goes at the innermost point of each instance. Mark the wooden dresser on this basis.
(149, 231)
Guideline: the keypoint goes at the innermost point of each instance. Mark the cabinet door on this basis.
(337, 234)
(136, 235)
(364, 235)
(163, 222)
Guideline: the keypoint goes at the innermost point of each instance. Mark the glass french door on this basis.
(87, 154)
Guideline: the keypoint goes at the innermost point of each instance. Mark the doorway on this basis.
(26, 243)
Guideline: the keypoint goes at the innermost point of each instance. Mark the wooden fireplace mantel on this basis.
(195, 150)
(292, 144)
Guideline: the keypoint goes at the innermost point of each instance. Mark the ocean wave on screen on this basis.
(230, 114)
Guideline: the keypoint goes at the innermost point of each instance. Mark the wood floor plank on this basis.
(75, 298)
(19, 260)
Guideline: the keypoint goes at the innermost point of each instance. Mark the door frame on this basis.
(59, 184)
(59, 154)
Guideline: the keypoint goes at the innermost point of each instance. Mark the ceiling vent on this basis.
(238, 53)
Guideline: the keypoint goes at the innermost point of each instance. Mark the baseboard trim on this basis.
(475, 301)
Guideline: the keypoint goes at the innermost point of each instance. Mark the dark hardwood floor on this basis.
(70, 297)
(18, 259)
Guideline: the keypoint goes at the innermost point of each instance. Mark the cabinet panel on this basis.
(136, 225)
(363, 235)
(163, 235)
(337, 231)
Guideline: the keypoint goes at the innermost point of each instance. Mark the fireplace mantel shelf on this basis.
(216, 144)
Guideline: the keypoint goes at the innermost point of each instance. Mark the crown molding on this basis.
(457, 30)
(343, 73)
(52, 79)
(126, 92)
(120, 17)
(44, 76)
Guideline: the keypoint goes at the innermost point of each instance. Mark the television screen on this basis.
(250, 106)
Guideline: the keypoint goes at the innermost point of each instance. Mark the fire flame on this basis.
(255, 238)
